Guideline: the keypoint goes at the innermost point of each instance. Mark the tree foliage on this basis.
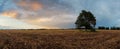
(86, 19)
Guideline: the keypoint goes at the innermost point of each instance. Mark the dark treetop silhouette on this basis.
(87, 20)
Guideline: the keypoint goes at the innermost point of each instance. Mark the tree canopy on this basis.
(86, 19)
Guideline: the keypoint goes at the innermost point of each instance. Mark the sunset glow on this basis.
(60, 13)
(12, 14)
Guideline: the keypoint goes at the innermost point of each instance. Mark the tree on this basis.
(87, 20)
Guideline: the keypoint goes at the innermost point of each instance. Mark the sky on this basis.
(53, 14)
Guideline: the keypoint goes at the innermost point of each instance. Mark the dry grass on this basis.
(59, 39)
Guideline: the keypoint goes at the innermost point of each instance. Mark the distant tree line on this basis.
(108, 28)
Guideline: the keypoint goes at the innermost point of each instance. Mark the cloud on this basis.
(106, 11)
(62, 21)
(62, 13)
(40, 12)
(11, 22)
(35, 6)
(12, 14)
